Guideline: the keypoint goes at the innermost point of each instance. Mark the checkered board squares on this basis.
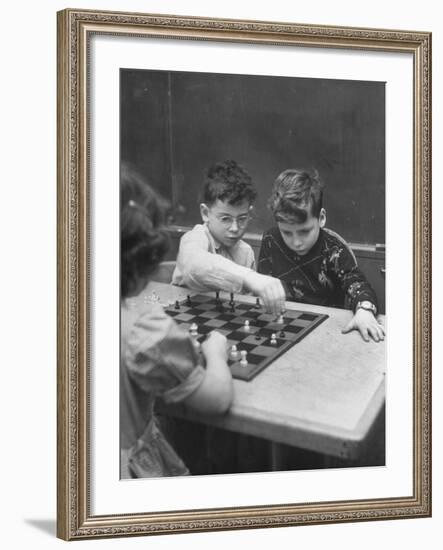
(209, 316)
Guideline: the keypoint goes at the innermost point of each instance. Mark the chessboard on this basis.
(262, 336)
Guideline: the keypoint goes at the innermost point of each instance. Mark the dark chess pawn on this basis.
(257, 303)
(232, 303)
(282, 334)
(188, 301)
(177, 304)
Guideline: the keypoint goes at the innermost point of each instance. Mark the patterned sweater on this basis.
(327, 275)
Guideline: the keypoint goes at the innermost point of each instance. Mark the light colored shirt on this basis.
(204, 264)
(158, 359)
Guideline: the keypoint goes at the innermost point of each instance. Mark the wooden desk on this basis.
(323, 395)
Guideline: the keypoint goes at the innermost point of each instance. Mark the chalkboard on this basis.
(174, 125)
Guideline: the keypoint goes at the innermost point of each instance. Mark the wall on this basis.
(27, 406)
(174, 125)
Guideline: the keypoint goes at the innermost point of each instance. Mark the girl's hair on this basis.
(295, 192)
(143, 236)
(228, 181)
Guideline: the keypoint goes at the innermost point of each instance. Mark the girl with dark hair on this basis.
(158, 359)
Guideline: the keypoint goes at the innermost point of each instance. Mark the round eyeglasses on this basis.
(228, 221)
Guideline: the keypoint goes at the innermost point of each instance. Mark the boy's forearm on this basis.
(358, 289)
(202, 269)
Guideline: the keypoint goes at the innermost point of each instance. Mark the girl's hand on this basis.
(215, 344)
(365, 322)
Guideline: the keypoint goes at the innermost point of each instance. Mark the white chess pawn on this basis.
(273, 338)
(246, 325)
(280, 320)
(243, 360)
(194, 329)
(234, 352)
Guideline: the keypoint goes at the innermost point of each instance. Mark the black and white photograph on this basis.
(243, 274)
(252, 273)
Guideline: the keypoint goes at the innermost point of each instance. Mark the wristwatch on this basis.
(366, 304)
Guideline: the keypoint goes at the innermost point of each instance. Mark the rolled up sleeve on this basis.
(161, 358)
(201, 270)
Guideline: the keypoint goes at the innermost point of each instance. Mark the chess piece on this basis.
(188, 301)
(246, 325)
(194, 329)
(177, 304)
(231, 303)
(257, 303)
(280, 319)
(243, 360)
(282, 334)
(232, 308)
(257, 336)
(273, 339)
(197, 345)
(234, 352)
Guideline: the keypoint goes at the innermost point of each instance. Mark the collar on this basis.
(213, 241)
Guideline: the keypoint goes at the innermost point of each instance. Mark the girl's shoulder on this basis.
(144, 325)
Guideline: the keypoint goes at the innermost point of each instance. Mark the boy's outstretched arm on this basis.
(202, 270)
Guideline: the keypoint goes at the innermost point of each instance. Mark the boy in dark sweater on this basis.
(315, 264)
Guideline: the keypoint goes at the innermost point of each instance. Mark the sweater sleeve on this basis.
(342, 264)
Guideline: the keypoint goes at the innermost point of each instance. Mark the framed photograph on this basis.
(320, 410)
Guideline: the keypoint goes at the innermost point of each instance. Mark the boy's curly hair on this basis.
(143, 236)
(295, 192)
(228, 181)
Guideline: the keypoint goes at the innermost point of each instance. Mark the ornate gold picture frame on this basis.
(76, 517)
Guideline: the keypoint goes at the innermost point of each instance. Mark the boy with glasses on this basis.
(213, 256)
